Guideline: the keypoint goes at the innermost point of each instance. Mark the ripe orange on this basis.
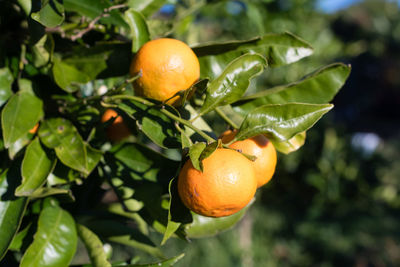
(226, 185)
(118, 129)
(167, 66)
(34, 129)
(260, 147)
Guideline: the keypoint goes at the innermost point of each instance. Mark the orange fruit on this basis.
(34, 129)
(260, 147)
(167, 66)
(226, 185)
(118, 129)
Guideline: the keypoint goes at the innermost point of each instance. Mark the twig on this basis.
(226, 119)
(162, 110)
(94, 21)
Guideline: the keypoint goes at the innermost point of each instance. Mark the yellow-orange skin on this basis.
(260, 147)
(167, 66)
(34, 129)
(226, 185)
(118, 130)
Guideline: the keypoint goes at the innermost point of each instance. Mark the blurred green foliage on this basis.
(334, 202)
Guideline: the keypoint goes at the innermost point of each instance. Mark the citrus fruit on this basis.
(166, 66)
(260, 147)
(34, 129)
(118, 129)
(226, 185)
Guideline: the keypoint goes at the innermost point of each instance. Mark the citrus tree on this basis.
(105, 127)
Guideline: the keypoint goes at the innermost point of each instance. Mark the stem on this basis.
(165, 112)
(225, 118)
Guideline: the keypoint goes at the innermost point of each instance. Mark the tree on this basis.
(64, 63)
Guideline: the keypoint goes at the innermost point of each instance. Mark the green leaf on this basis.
(278, 49)
(18, 145)
(18, 240)
(207, 226)
(139, 32)
(72, 151)
(165, 263)
(130, 165)
(177, 212)
(68, 76)
(93, 245)
(51, 13)
(26, 5)
(195, 153)
(185, 140)
(146, 7)
(281, 122)
(119, 233)
(65, 194)
(84, 64)
(36, 166)
(55, 241)
(19, 115)
(6, 80)
(233, 82)
(12, 208)
(42, 51)
(95, 8)
(317, 88)
(189, 113)
(153, 123)
(145, 163)
(292, 144)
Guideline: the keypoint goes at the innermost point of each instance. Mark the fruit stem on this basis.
(164, 111)
(225, 118)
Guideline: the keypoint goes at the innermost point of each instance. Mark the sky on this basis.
(331, 6)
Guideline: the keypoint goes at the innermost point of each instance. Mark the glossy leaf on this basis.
(16, 147)
(195, 153)
(26, 5)
(11, 208)
(317, 88)
(53, 131)
(207, 226)
(6, 80)
(139, 33)
(145, 163)
(51, 13)
(55, 241)
(189, 113)
(153, 123)
(185, 140)
(95, 8)
(122, 234)
(19, 115)
(278, 49)
(18, 240)
(164, 263)
(233, 82)
(292, 144)
(146, 7)
(68, 76)
(42, 51)
(72, 151)
(177, 212)
(65, 194)
(281, 122)
(94, 246)
(36, 166)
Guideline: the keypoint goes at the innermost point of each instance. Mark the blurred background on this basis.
(336, 201)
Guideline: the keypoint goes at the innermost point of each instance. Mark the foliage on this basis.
(63, 63)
